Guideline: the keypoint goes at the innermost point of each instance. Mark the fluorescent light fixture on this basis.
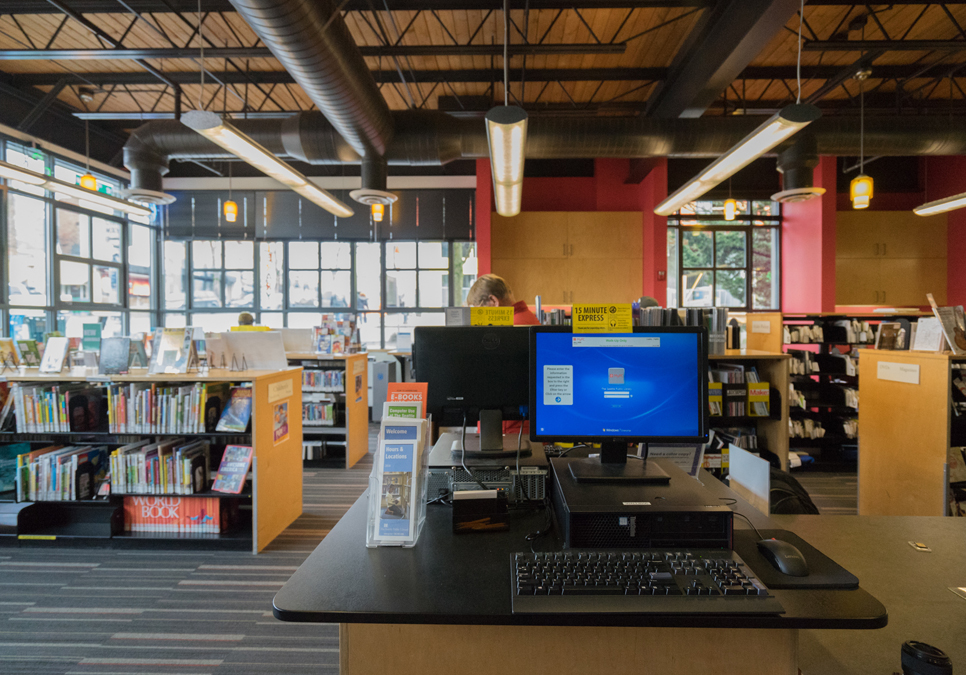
(941, 205)
(222, 133)
(506, 134)
(12, 172)
(786, 123)
(860, 191)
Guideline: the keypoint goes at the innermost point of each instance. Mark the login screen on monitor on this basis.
(633, 385)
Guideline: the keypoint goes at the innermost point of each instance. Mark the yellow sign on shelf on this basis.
(491, 316)
(602, 319)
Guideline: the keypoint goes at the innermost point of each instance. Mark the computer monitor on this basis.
(475, 373)
(616, 389)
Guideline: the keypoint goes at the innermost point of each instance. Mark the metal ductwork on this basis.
(796, 164)
(431, 138)
(311, 40)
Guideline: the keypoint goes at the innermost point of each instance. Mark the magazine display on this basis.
(172, 351)
(397, 485)
(238, 412)
(233, 470)
(55, 353)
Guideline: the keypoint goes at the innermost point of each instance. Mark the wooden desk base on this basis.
(402, 649)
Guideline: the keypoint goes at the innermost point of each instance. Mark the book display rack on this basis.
(824, 372)
(151, 515)
(911, 416)
(758, 426)
(335, 407)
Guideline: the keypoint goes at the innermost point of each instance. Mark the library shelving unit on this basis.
(346, 433)
(824, 391)
(906, 428)
(273, 497)
(772, 367)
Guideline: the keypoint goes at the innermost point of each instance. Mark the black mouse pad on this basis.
(823, 572)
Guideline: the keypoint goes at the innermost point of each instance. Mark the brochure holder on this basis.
(398, 482)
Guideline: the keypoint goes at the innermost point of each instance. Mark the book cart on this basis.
(826, 399)
(911, 414)
(335, 393)
(771, 430)
(267, 505)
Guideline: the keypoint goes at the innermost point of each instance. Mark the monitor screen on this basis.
(472, 368)
(648, 385)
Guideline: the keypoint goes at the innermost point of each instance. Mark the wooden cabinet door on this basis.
(602, 235)
(857, 281)
(529, 278)
(905, 281)
(529, 235)
(857, 235)
(616, 280)
(903, 234)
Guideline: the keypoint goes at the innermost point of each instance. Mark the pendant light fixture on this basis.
(230, 208)
(506, 135)
(786, 123)
(87, 180)
(730, 205)
(220, 131)
(860, 189)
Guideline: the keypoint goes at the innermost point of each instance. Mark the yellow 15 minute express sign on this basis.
(602, 319)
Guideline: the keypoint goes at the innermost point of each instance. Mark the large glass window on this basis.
(67, 261)
(713, 262)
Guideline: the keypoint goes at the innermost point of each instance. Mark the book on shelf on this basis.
(172, 466)
(238, 412)
(177, 515)
(91, 340)
(55, 354)
(318, 413)
(60, 474)
(138, 356)
(8, 464)
(149, 408)
(172, 349)
(929, 335)
(8, 352)
(233, 469)
(888, 335)
(952, 325)
(115, 355)
(323, 380)
(30, 353)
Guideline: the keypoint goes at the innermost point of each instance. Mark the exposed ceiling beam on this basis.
(726, 39)
(886, 45)
(141, 6)
(472, 75)
(264, 53)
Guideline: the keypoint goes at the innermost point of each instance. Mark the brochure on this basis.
(397, 505)
(408, 392)
(412, 411)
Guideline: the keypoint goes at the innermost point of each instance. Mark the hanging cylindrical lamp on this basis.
(230, 210)
(860, 191)
(378, 212)
(88, 181)
(730, 209)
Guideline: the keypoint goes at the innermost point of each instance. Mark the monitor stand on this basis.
(491, 443)
(613, 467)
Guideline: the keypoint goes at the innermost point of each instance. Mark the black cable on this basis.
(748, 520)
(523, 488)
(547, 528)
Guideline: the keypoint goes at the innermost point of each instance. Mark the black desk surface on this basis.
(465, 579)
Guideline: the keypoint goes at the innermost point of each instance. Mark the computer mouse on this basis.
(784, 557)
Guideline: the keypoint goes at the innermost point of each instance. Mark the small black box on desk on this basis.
(480, 511)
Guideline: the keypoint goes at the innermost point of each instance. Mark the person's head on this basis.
(246, 319)
(490, 291)
(648, 301)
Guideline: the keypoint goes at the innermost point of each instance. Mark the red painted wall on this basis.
(808, 247)
(946, 176)
(652, 191)
(484, 208)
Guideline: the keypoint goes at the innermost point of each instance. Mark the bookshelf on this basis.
(268, 504)
(827, 398)
(772, 367)
(905, 431)
(346, 433)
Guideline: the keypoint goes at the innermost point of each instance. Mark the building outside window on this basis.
(713, 262)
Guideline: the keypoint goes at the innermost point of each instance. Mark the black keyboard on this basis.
(686, 581)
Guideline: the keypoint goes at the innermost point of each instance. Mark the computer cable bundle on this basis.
(463, 455)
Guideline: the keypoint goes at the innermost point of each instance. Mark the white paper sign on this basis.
(898, 372)
(761, 327)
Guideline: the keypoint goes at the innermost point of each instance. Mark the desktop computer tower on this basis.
(447, 475)
(602, 516)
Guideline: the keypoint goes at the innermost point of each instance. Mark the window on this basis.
(67, 261)
(392, 286)
(717, 263)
